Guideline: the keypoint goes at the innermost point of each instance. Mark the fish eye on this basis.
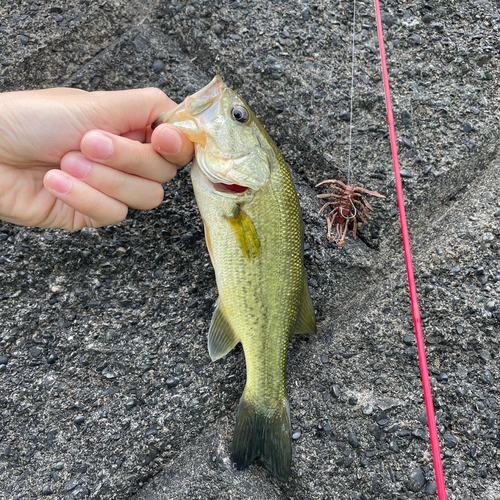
(240, 114)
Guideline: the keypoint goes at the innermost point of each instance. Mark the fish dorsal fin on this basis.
(306, 320)
(245, 233)
(221, 337)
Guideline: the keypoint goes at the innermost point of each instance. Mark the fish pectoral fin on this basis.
(209, 242)
(306, 320)
(245, 233)
(221, 337)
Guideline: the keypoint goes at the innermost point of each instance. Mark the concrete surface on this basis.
(108, 391)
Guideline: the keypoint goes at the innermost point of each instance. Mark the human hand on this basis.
(71, 159)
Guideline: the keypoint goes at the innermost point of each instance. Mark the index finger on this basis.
(122, 111)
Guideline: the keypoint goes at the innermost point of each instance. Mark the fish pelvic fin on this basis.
(306, 319)
(221, 337)
(264, 433)
(245, 233)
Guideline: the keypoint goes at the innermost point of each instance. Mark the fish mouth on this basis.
(229, 188)
(185, 114)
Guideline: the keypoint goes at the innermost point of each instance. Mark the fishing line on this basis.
(352, 91)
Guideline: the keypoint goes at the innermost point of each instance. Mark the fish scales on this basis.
(262, 316)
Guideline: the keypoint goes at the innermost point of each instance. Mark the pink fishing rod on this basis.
(436, 454)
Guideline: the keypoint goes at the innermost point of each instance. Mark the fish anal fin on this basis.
(221, 337)
(306, 319)
(245, 233)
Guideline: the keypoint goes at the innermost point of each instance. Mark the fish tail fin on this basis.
(265, 433)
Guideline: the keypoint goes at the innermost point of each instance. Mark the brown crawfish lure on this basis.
(349, 206)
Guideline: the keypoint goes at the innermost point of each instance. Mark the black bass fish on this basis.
(254, 234)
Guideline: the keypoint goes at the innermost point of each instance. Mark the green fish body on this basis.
(253, 229)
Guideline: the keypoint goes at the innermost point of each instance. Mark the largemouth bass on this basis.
(254, 234)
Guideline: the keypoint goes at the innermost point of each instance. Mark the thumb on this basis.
(172, 144)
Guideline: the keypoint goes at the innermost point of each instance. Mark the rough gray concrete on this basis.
(108, 391)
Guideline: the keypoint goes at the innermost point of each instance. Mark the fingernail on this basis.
(97, 145)
(58, 182)
(169, 141)
(77, 165)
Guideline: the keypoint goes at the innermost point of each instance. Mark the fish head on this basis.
(230, 145)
